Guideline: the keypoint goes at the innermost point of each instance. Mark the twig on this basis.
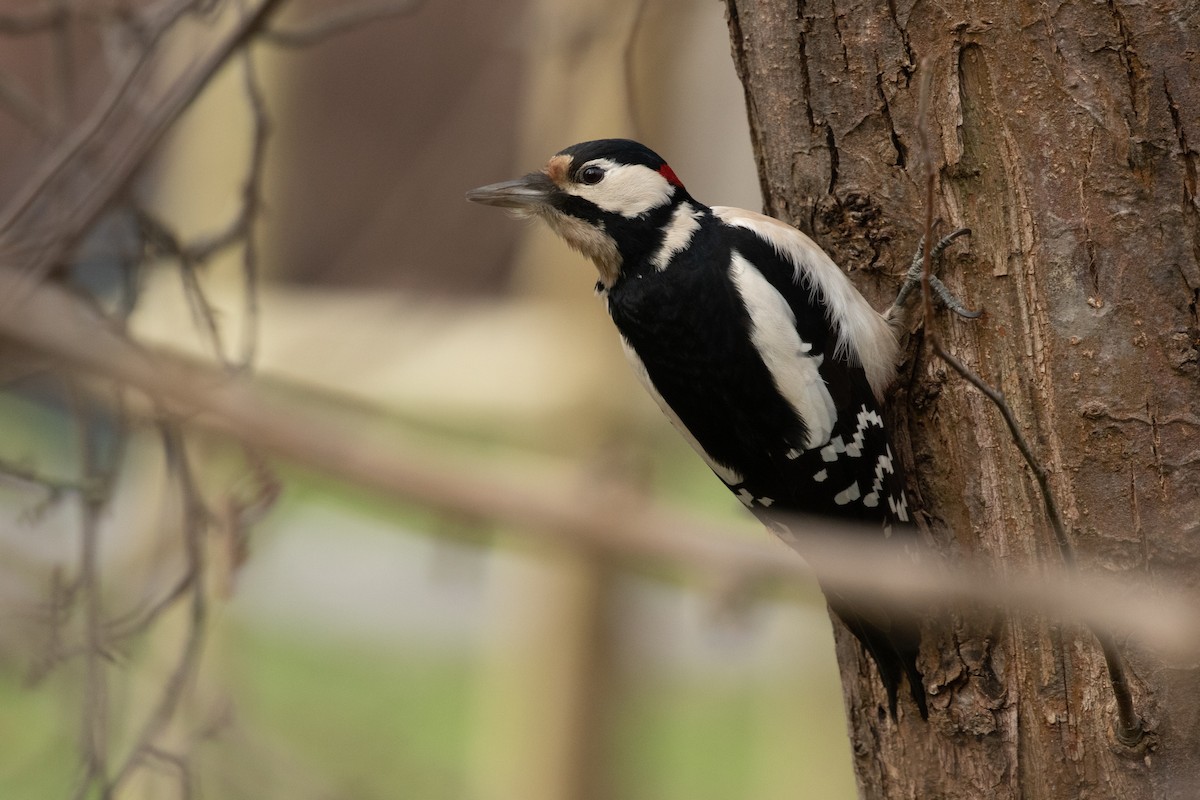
(558, 512)
(244, 506)
(53, 485)
(202, 310)
(1130, 729)
(21, 105)
(95, 689)
(1057, 526)
(116, 140)
(251, 208)
(63, 64)
(31, 22)
(54, 13)
(180, 765)
(159, 239)
(61, 600)
(339, 21)
(81, 177)
(139, 620)
(192, 257)
(70, 150)
(195, 522)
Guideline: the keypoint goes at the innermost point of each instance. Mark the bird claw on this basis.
(912, 278)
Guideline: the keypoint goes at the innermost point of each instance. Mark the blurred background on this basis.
(354, 645)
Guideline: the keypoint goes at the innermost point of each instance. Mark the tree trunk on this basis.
(1064, 136)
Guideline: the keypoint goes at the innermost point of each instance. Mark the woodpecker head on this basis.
(610, 199)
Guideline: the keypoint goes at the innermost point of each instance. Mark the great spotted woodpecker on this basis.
(751, 340)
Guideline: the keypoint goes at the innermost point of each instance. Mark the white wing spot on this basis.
(899, 508)
(883, 464)
(846, 495)
(766, 501)
(865, 418)
(829, 452)
(746, 498)
(820, 476)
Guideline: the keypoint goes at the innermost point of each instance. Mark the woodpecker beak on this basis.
(534, 189)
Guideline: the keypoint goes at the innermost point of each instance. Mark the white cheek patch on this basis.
(773, 331)
(627, 189)
(679, 231)
(729, 475)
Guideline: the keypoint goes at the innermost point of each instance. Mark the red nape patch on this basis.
(668, 173)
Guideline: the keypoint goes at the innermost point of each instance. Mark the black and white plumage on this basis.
(751, 340)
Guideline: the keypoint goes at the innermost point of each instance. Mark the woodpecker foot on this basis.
(912, 278)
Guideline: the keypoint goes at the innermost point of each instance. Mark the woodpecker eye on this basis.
(591, 175)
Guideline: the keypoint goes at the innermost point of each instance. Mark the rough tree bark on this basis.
(1065, 135)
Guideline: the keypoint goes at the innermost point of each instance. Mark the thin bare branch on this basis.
(245, 505)
(169, 50)
(139, 620)
(63, 63)
(179, 765)
(345, 18)
(611, 523)
(38, 20)
(19, 103)
(192, 257)
(119, 91)
(195, 522)
(252, 208)
(115, 140)
(54, 485)
(95, 689)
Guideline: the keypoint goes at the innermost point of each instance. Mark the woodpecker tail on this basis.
(894, 649)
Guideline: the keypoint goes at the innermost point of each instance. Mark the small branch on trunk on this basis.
(1129, 729)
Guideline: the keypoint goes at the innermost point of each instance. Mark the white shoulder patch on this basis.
(773, 331)
(863, 334)
(627, 189)
(730, 476)
(683, 225)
